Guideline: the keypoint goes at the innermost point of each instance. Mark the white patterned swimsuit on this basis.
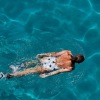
(49, 63)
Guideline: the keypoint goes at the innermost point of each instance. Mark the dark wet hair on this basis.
(78, 58)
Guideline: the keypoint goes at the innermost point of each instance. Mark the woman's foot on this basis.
(2, 75)
(8, 76)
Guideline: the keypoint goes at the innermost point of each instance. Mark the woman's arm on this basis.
(54, 72)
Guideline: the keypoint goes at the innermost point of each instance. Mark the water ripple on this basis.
(29, 27)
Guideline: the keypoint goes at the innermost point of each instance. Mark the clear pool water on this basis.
(29, 27)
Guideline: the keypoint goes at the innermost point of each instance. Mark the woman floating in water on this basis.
(48, 64)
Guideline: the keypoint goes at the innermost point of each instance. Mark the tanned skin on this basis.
(63, 61)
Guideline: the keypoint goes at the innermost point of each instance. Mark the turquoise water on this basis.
(29, 27)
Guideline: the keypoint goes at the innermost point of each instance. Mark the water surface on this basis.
(29, 27)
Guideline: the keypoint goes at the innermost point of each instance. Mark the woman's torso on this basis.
(53, 63)
(64, 61)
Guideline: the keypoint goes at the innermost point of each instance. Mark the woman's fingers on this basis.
(42, 75)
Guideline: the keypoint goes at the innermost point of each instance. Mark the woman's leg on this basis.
(30, 63)
(16, 68)
(37, 69)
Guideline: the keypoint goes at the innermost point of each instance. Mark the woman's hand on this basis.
(43, 75)
(40, 55)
